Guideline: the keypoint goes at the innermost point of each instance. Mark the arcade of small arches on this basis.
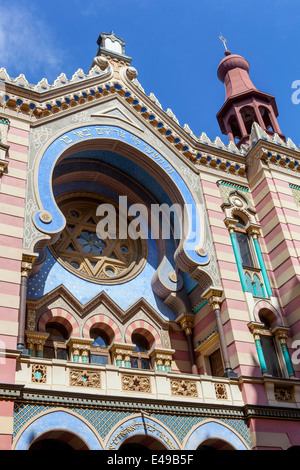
(59, 336)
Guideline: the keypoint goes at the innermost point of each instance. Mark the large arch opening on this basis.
(215, 444)
(58, 441)
(214, 435)
(92, 177)
(94, 166)
(123, 153)
(58, 428)
(141, 443)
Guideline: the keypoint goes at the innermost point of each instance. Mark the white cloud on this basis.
(27, 44)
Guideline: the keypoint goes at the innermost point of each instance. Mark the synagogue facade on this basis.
(150, 293)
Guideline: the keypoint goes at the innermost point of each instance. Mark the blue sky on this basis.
(174, 44)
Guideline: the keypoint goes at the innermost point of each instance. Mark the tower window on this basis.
(244, 244)
(249, 117)
(266, 118)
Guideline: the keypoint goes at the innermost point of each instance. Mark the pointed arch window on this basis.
(245, 249)
(248, 256)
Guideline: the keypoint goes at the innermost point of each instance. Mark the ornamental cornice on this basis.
(286, 157)
(44, 100)
(37, 397)
(80, 343)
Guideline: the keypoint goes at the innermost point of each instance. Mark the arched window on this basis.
(269, 348)
(249, 117)
(56, 344)
(140, 356)
(81, 250)
(265, 114)
(99, 353)
(234, 126)
(245, 249)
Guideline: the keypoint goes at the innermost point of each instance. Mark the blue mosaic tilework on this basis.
(52, 275)
(104, 420)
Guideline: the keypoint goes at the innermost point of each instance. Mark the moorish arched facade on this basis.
(151, 288)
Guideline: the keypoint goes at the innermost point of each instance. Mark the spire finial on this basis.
(224, 41)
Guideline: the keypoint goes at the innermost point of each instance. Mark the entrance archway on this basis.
(214, 435)
(55, 426)
(215, 444)
(58, 441)
(143, 431)
(142, 443)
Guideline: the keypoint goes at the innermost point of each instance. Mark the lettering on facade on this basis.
(106, 131)
(144, 427)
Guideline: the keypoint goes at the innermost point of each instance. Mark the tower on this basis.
(244, 103)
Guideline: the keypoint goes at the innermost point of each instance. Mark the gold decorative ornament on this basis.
(39, 374)
(136, 383)
(185, 388)
(85, 378)
(284, 394)
(45, 217)
(221, 392)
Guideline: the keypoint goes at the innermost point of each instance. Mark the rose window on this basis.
(81, 250)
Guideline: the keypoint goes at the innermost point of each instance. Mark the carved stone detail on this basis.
(31, 316)
(39, 374)
(221, 392)
(185, 388)
(85, 378)
(284, 394)
(136, 383)
(214, 298)
(186, 322)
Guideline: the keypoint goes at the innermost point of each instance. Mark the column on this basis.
(27, 265)
(255, 329)
(121, 354)
(282, 334)
(85, 356)
(35, 342)
(187, 322)
(79, 349)
(214, 298)
(162, 359)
